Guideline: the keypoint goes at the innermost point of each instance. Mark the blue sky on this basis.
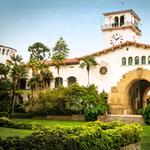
(23, 22)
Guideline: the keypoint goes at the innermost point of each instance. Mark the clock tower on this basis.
(120, 26)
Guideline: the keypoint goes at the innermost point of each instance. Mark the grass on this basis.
(5, 132)
(50, 123)
(146, 138)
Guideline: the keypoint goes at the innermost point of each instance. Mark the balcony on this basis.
(118, 26)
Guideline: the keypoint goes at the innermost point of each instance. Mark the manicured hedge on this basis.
(5, 122)
(93, 136)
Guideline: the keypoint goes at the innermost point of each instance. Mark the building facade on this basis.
(123, 69)
(5, 53)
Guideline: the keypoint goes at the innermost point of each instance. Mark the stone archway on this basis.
(118, 98)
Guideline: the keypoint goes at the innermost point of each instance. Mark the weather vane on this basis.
(122, 3)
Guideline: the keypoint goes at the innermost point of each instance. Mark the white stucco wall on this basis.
(112, 60)
(5, 53)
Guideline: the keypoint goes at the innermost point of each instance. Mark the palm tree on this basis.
(4, 70)
(60, 52)
(18, 70)
(33, 65)
(87, 62)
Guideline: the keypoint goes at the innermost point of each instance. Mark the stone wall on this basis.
(73, 117)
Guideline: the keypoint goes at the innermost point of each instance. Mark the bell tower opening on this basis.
(121, 26)
(139, 95)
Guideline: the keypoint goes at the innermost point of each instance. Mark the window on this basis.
(123, 61)
(103, 70)
(121, 20)
(71, 80)
(136, 60)
(7, 52)
(130, 61)
(3, 52)
(58, 82)
(116, 21)
(143, 60)
(148, 59)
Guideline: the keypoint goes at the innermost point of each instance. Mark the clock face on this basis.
(116, 39)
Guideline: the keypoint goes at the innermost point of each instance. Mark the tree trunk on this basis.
(58, 76)
(13, 95)
(88, 73)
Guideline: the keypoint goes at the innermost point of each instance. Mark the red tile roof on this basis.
(103, 52)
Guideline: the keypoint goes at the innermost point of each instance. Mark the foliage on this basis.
(4, 70)
(85, 137)
(91, 114)
(74, 99)
(5, 85)
(88, 62)
(147, 114)
(60, 52)
(18, 70)
(3, 114)
(5, 122)
(39, 51)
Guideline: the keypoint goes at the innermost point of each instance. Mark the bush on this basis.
(5, 122)
(20, 115)
(91, 114)
(87, 137)
(74, 99)
(147, 114)
(3, 114)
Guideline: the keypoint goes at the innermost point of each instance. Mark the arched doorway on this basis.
(137, 94)
(122, 98)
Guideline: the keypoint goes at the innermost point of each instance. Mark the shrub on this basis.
(91, 114)
(87, 137)
(74, 99)
(20, 115)
(147, 114)
(3, 114)
(5, 122)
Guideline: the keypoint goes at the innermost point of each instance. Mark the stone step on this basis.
(123, 118)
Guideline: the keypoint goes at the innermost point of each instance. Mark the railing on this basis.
(114, 25)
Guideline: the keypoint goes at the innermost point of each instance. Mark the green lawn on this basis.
(4, 132)
(49, 123)
(146, 138)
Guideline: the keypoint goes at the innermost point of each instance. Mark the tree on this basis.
(38, 54)
(18, 70)
(4, 70)
(39, 51)
(60, 52)
(87, 62)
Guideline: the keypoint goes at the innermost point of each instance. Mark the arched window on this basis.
(116, 21)
(71, 80)
(7, 52)
(143, 60)
(121, 20)
(136, 60)
(58, 82)
(22, 83)
(123, 61)
(3, 52)
(130, 61)
(148, 59)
